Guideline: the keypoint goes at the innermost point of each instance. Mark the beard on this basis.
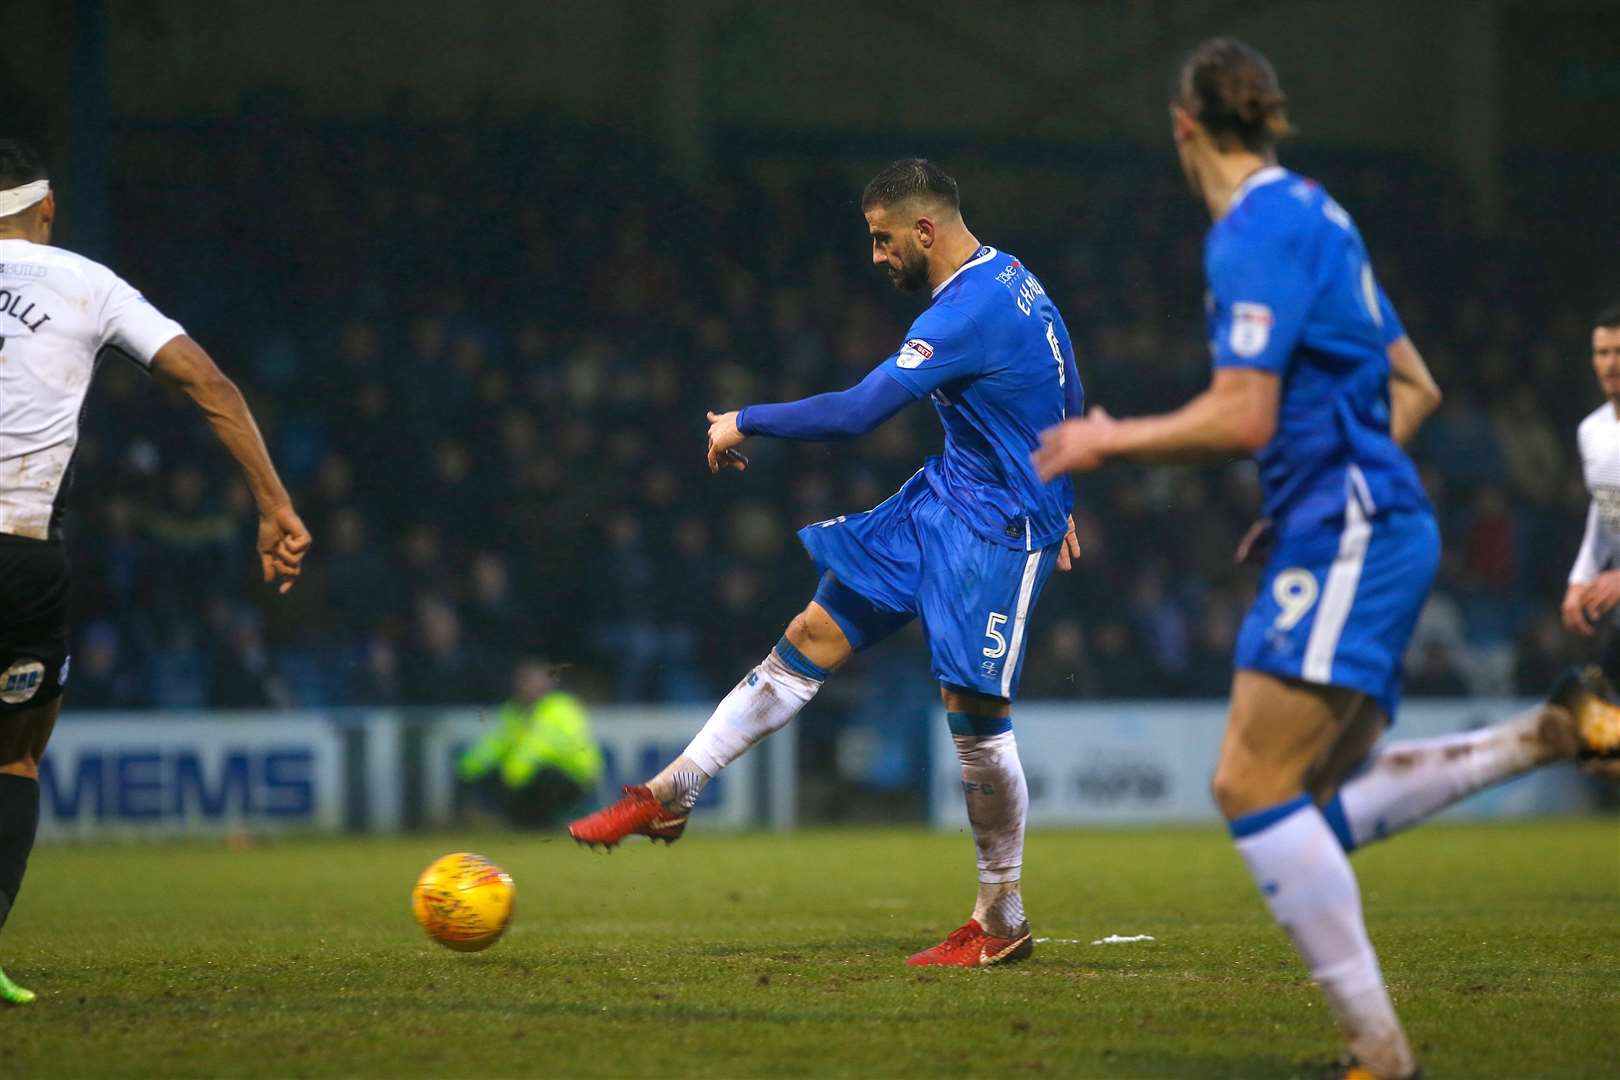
(913, 273)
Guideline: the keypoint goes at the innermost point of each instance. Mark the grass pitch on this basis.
(782, 956)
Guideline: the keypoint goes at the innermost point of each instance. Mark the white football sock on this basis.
(770, 696)
(1405, 782)
(1306, 879)
(997, 804)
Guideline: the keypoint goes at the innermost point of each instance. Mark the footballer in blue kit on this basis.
(1292, 294)
(1314, 376)
(968, 542)
(966, 545)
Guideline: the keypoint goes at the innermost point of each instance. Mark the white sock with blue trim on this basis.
(997, 805)
(1406, 782)
(1306, 879)
(770, 696)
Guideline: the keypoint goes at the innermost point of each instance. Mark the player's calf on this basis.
(765, 700)
(26, 732)
(1405, 782)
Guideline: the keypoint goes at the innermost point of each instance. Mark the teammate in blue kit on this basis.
(965, 545)
(1314, 375)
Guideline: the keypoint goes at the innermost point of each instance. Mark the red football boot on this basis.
(637, 813)
(970, 946)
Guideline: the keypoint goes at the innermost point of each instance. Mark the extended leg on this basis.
(1280, 733)
(765, 700)
(1403, 783)
(23, 736)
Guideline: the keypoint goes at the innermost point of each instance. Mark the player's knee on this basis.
(963, 701)
(1237, 790)
(814, 633)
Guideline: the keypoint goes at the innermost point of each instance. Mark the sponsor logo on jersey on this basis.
(33, 270)
(1251, 328)
(914, 352)
(20, 681)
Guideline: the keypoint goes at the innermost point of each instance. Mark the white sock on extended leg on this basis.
(1306, 879)
(1406, 782)
(770, 696)
(997, 804)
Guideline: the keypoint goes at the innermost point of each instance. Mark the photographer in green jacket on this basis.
(538, 760)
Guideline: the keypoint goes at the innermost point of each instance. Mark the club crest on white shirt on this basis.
(914, 352)
(1251, 328)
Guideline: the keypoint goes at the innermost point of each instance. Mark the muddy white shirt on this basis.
(1599, 438)
(58, 312)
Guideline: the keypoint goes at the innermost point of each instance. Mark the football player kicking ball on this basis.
(58, 311)
(1313, 375)
(966, 544)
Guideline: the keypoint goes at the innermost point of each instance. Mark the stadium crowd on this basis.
(482, 356)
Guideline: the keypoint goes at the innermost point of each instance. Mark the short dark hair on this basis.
(1232, 90)
(911, 178)
(20, 164)
(1608, 318)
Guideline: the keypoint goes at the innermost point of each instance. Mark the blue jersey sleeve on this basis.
(841, 415)
(1261, 296)
(941, 347)
(1389, 323)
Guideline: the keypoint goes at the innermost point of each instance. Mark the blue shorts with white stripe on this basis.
(1338, 607)
(911, 556)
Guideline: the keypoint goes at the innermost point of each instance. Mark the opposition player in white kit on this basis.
(1594, 580)
(58, 313)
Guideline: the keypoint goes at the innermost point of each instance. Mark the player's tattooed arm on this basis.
(1236, 415)
(1413, 393)
(283, 539)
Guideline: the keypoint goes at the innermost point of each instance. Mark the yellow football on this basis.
(464, 901)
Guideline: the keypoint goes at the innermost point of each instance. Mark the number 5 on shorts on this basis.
(990, 631)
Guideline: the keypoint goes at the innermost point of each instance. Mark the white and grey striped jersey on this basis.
(58, 312)
(1599, 438)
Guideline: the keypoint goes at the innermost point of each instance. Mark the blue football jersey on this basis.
(993, 353)
(1292, 292)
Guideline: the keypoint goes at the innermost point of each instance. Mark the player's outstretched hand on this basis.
(1255, 547)
(1069, 553)
(1075, 445)
(724, 438)
(1600, 598)
(283, 542)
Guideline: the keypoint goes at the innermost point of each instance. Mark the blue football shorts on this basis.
(911, 557)
(1337, 607)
